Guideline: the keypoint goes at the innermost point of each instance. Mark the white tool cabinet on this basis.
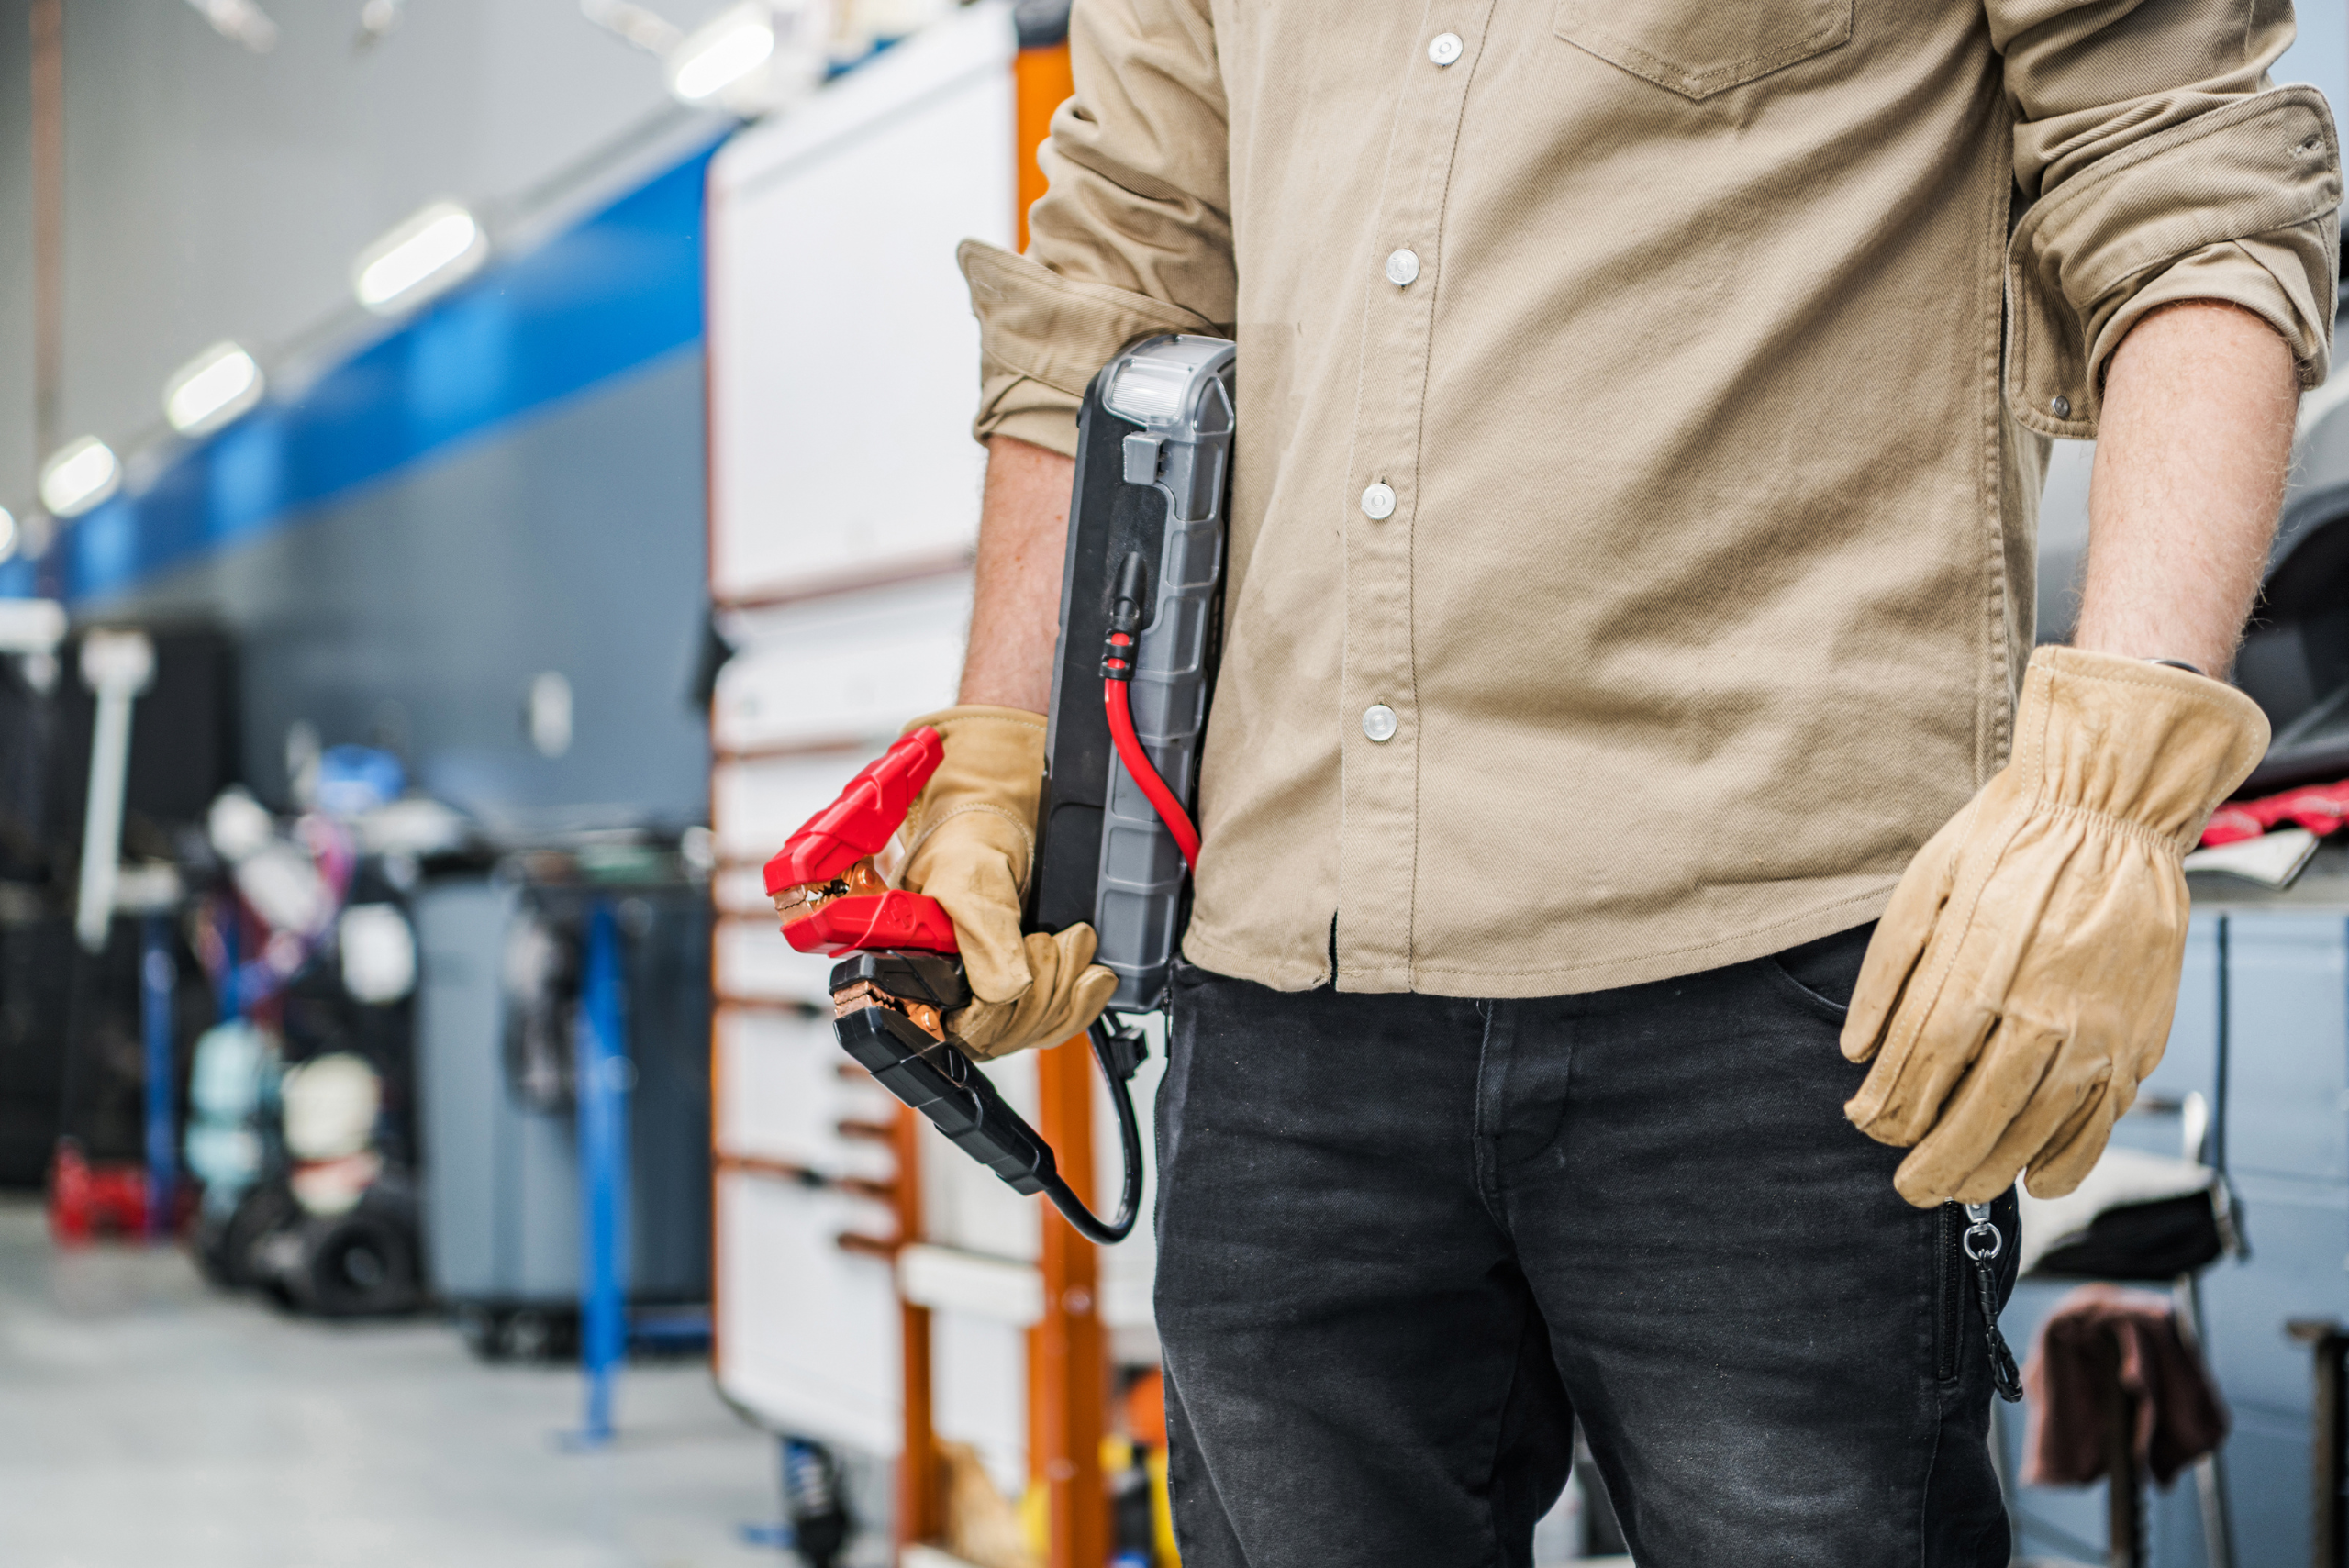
(844, 494)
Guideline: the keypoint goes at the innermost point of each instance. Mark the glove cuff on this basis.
(2149, 745)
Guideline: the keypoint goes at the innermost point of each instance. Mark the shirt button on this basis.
(1378, 722)
(1444, 48)
(1402, 267)
(1378, 503)
(2062, 406)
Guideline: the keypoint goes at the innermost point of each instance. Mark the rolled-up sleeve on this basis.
(2158, 164)
(1133, 234)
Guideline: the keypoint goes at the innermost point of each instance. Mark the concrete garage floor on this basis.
(149, 1422)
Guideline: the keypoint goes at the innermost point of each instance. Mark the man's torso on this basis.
(1708, 573)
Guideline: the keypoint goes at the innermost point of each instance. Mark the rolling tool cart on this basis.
(506, 962)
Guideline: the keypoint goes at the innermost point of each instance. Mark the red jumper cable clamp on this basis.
(831, 899)
(901, 976)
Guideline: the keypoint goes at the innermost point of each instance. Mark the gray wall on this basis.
(416, 612)
(212, 193)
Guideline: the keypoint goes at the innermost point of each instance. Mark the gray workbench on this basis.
(2283, 1089)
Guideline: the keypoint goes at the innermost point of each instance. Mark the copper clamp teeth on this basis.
(802, 899)
(865, 993)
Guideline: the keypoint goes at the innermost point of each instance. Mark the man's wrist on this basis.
(2165, 642)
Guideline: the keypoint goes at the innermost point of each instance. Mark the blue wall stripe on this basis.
(618, 289)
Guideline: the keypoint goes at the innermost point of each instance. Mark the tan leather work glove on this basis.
(970, 841)
(2020, 985)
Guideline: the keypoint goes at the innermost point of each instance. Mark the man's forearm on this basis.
(2191, 459)
(1016, 603)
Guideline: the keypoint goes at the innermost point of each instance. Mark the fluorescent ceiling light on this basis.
(723, 52)
(376, 20)
(438, 247)
(648, 30)
(211, 389)
(81, 474)
(239, 21)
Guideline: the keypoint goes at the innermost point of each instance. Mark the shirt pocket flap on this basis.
(1698, 48)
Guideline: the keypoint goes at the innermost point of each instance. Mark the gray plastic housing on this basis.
(1153, 469)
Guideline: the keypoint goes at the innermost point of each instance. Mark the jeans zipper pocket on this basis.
(1981, 1242)
(1949, 1277)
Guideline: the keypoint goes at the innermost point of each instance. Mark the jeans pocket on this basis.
(1826, 1006)
(1698, 48)
(1822, 974)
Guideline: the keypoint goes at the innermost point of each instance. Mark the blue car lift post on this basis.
(158, 976)
(603, 1074)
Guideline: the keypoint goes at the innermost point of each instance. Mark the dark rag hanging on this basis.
(2100, 1342)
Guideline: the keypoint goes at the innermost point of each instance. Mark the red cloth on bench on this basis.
(2179, 1415)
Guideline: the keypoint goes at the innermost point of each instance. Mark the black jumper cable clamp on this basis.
(1139, 634)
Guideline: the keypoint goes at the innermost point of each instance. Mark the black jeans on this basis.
(1406, 1241)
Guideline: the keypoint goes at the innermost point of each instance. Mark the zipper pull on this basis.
(1983, 1243)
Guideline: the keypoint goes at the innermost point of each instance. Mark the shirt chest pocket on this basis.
(1698, 48)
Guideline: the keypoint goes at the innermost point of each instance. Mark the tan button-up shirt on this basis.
(1643, 411)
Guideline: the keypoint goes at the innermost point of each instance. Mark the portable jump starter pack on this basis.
(1139, 601)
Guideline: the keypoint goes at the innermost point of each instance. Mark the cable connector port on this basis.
(1122, 1049)
(1126, 618)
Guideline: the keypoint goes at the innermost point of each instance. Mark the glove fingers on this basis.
(1086, 997)
(995, 1026)
(2075, 1083)
(1073, 948)
(2005, 1080)
(1893, 956)
(992, 1027)
(1904, 1092)
(1069, 990)
(1067, 982)
(2073, 1152)
(1899, 945)
(982, 897)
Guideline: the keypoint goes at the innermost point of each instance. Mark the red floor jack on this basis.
(86, 1201)
(1139, 624)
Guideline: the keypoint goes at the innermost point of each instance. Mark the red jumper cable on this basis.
(1117, 675)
